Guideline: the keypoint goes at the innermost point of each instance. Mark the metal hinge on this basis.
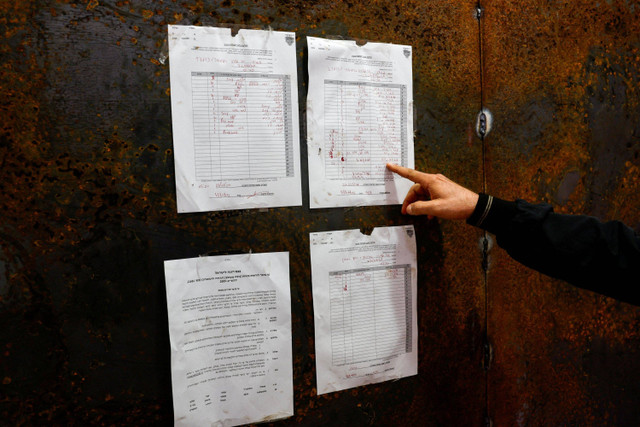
(484, 122)
(485, 245)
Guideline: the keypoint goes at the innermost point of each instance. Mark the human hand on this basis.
(435, 195)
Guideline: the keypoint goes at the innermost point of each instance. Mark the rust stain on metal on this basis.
(563, 82)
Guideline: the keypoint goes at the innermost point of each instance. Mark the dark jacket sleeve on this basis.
(601, 256)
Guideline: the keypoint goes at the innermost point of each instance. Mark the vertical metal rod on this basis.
(486, 347)
(479, 16)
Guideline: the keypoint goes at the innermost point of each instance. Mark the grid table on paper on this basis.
(370, 313)
(365, 127)
(242, 125)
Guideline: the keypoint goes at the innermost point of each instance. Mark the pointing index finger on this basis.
(410, 174)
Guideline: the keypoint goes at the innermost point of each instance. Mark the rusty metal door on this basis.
(88, 209)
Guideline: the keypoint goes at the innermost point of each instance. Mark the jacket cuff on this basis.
(492, 214)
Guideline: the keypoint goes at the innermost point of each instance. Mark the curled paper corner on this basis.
(269, 31)
(164, 52)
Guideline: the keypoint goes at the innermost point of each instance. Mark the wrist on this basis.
(470, 205)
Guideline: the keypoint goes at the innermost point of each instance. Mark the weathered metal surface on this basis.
(562, 81)
(88, 211)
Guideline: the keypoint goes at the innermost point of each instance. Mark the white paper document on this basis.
(234, 106)
(359, 117)
(364, 303)
(230, 333)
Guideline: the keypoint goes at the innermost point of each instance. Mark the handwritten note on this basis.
(364, 301)
(359, 114)
(235, 118)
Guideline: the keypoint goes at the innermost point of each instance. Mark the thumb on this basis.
(426, 207)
